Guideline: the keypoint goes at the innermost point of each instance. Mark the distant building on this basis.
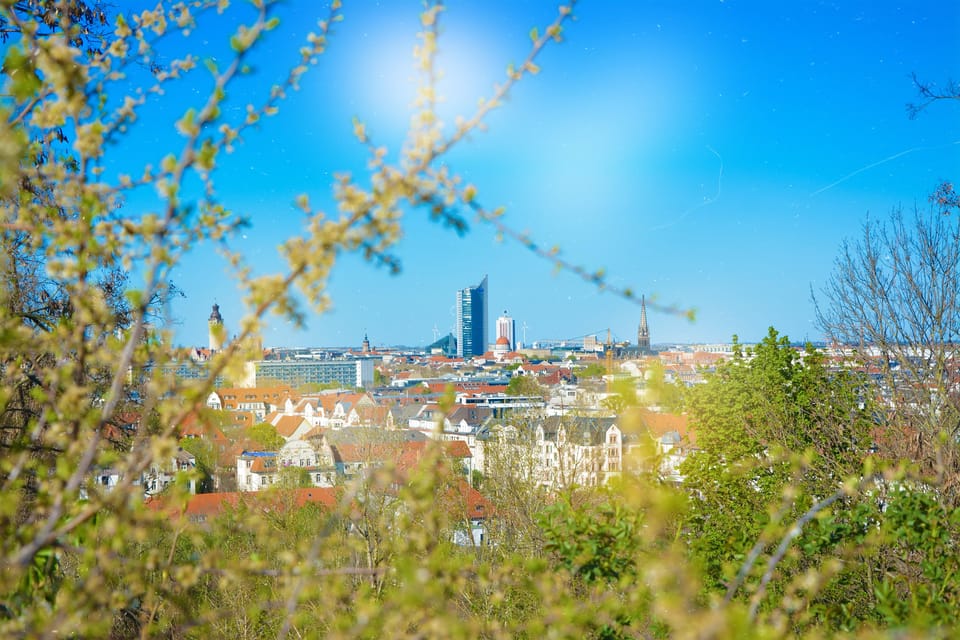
(190, 370)
(447, 345)
(501, 348)
(348, 372)
(472, 320)
(643, 333)
(256, 470)
(506, 328)
(216, 329)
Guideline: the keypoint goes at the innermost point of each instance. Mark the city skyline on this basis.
(713, 158)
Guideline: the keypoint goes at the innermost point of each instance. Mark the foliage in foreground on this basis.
(789, 526)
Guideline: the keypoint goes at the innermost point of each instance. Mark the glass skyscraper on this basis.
(472, 320)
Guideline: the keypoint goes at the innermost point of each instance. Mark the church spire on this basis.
(643, 333)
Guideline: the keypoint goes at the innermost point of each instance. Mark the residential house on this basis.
(662, 439)
(256, 470)
(290, 427)
(160, 475)
(258, 400)
(314, 456)
(578, 450)
(469, 513)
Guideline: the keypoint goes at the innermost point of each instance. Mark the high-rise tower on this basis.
(506, 328)
(216, 329)
(472, 320)
(643, 333)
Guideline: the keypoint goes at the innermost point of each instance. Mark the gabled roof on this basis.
(413, 452)
(121, 427)
(370, 452)
(316, 432)
(428, 411)
(192, 426)
(457, 449)
(476, 506)
(301, 406)
(372, 414)
(406, 454)
(227, 456)
(327, 401)
(405, 412)
(578, 429)
(241, 418)
(263, 465)
(287, 425)
(471, 414)
(660, 424)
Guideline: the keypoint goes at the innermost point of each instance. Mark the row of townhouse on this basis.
(561, 451)
(334, 410)
(332, 458)
(556, 451)
(582, 450)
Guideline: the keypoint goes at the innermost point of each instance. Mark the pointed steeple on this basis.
(643, 333)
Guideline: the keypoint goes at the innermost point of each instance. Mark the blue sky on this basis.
(714, 154)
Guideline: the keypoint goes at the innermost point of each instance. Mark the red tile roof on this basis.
(371, 452)
(192, 426)
(288, 425)
(210, 504)
(660, 423)
(263, 465)
(457, 449)
(475, 504)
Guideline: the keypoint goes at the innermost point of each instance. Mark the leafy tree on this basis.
(525, 385)
(595, 541)
(623, 395)
(777, 431)
(510, 481)
(592, 370)
(265, 434)
(206, 456)
(669, 396)
(316, 387)
(476, 479)
(294, 477)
